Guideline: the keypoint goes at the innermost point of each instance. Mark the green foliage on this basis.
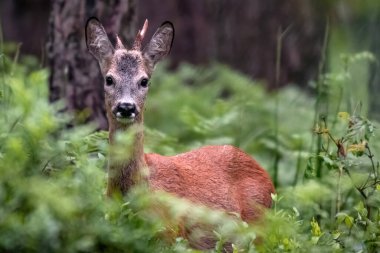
(52, 178)
(220, 106)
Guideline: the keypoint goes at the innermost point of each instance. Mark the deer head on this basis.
(127, 72)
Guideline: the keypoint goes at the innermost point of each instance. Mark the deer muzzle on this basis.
(125, 112)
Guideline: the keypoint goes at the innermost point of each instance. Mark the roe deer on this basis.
(220, 177)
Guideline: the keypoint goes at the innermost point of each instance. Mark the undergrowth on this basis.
(52, 178)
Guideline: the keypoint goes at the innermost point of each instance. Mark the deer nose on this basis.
(126, 110)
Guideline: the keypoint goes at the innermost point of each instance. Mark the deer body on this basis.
(220, 177)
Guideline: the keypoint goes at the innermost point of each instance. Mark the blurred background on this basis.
(293, 83)
(242, 34)
(256, 74)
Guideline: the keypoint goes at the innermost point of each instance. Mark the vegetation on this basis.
(52, 177)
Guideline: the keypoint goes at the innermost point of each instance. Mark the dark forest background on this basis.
(242, 34)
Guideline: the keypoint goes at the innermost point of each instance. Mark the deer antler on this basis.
(140, 36)
(119, 44)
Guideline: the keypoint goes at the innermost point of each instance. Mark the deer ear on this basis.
(97, 41)
(160, 44)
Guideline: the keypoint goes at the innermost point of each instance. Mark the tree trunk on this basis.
(75, 76)
(243, 34)
(16, 17)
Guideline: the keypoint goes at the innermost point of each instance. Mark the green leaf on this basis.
(315, 229)
(347, 219)
(310, 168)
(361, 209)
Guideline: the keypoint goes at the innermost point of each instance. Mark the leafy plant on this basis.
(52, 178)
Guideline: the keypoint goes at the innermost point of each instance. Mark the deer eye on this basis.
(109, 81)
(144, 82)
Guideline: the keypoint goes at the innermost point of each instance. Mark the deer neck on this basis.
(123, 174)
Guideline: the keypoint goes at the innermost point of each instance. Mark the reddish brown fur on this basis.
(220, 177)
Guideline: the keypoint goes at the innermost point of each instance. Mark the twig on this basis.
(338, 198)
(361, 191)
(370, 156)
(280, 36)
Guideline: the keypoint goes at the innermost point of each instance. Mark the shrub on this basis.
(52, 178)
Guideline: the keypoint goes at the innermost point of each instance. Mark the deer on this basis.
(219, 177)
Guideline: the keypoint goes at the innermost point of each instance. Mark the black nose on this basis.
(126, 110)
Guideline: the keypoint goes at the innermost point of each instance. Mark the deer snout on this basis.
(125, 111)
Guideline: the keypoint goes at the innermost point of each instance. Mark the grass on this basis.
(52, 179)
